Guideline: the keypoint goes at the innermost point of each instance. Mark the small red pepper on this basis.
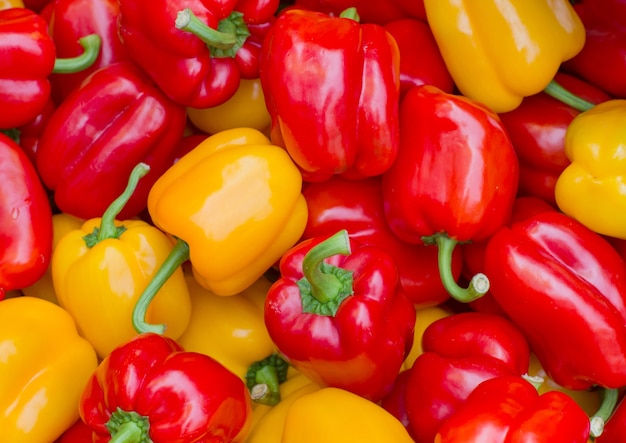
(338, 315)
(564, 286)
(25, 220)
(339, 113)
(370, 11)
(150, 389)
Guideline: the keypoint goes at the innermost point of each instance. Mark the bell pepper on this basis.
(338, 315)
(499, 53)
(79, 432)
(44, 366)
(562, 283)
(25, 220)
(7, 4)
(114, 120)
(459, 352)
(613, 431)
(100, 270)
(27, 136)
(455, 178)
(508, 409)
(357, 206)
(369, 11)
(589, 189)
(29, 57)
(196, 51)
(347, 96)
(151, 389)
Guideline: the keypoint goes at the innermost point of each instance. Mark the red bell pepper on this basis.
(370, 11)
(338, 315)
(613, 430)
(537, 129)
(339, 113)
(28, 135)
(25, 220)
(79, 432)
(455, 178)
(357, 206)
(565, 287)
(28, 58)
(602, 60)
(114, 120)
(150, 389)
(460, 351)
(509, 409)
(202, 67)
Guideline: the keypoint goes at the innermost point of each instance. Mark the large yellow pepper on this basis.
(100, 283)
(235, 202)
(499, 52)
(44, 367)
(591, 188)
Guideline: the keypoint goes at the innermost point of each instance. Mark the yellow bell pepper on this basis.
(423, 318)
(245, 109)
(8, 4)
(235, 202)
(499, 52)
(44, 367)
(591, 188)
(100, 283)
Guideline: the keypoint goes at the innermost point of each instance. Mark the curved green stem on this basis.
(264, 378)
(479, 284)
(91, 45)
(597, 420)
(177, 256)
(563, 95)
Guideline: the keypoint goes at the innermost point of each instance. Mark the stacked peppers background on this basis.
(314, 220)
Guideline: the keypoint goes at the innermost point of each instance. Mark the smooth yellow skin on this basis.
(592, 189)
(245, 109)
(229, 329)
(333, 415)
(500, 51)
(100, 286)
(237, 201)
(44, 367)
(423, 318)
(61, 224)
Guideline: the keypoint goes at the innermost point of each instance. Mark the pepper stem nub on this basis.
(91, 50)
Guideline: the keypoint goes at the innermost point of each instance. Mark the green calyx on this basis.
(264, 378)
(128, 427)
(223, 42)
(324, 286)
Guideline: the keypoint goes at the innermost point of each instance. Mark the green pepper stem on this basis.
(479, 284)
(177, 256)
(129, 432)
(563, 95)
(350, 13)
(128, 427)
(264, 377)
(91, 45)
(597, 420)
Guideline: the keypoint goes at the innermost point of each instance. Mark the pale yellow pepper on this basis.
(44, 367)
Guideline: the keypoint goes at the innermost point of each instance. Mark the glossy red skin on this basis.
(456, 170)
(25, 220)
(537, 129)
(178, 61)
(421, 62)
(79, 432)
(338, 116)
(562, 283)
(395, 401)
(361, 348)
(72, 19)
(370, 11)
(28, 55)
(602, 60)
(614, 427)
(31, 132)
(357, 206)
(114, 120)
(187, 396)
(509, 409)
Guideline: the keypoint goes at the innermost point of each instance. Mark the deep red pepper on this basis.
(509, 409)
(114, 120)
(338, 315)
(357, 206)
(537, 129)
(602, 60)
(79, 432)
(370, 11)
(28, 135)
(460, 351)
(151, 388)
(455, 178)
(339, 113)
(25, 220)
(565, 287)
(191, 71)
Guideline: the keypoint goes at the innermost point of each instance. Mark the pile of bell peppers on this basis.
(255, 221)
